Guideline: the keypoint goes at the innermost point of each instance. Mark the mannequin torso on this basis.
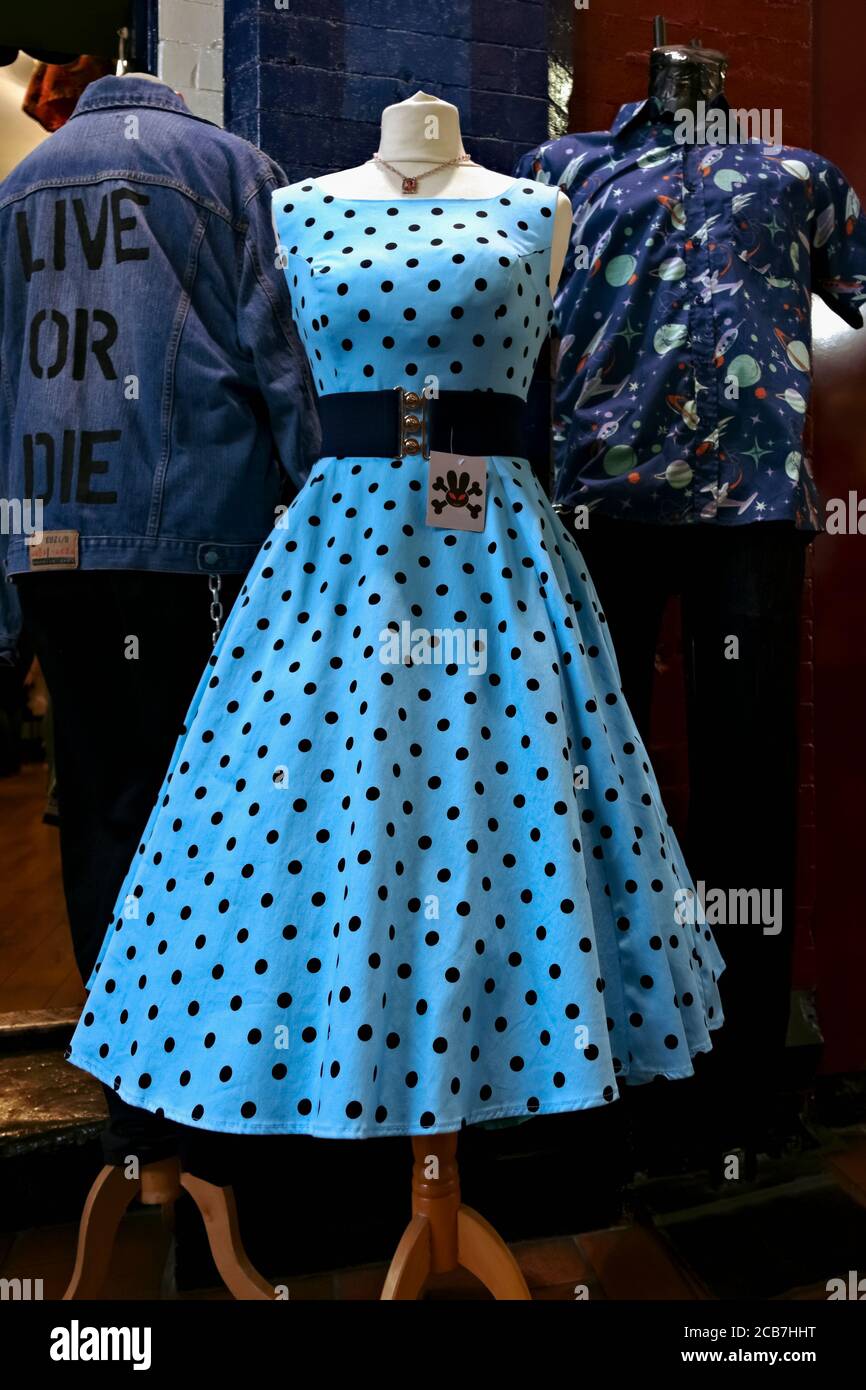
(418, 134)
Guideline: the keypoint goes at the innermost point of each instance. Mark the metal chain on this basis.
(216, 608)
(446, 163)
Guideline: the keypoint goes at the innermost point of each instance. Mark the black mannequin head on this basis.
(681, 75)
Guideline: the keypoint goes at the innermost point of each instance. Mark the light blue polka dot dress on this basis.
(409, 868)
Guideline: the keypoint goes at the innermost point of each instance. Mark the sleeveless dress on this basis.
(409, 868)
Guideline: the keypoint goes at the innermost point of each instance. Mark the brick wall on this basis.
(190, 53)
(309, 83)
(768, 43)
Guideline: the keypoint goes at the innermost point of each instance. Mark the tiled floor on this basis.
(634, 1260)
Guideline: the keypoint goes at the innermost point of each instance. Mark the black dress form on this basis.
(745, 581)
(681, 75)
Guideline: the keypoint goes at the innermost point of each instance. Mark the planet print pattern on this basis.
(684, 316)
(409, 868)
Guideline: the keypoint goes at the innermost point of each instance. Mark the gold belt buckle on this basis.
(413, 423)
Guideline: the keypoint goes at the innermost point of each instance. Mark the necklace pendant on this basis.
(410, 184)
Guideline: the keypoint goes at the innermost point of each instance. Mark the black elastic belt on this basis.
(389, 424)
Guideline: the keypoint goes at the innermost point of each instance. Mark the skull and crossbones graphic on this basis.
(457, 491)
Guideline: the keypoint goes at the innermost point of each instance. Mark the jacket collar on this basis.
(129, 91)
(644, 112)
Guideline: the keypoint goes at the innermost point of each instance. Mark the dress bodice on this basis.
(394, 293)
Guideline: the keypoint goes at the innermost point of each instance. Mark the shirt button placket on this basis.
(700, 331)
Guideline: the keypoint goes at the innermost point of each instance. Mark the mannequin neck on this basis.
(417, 137)
(422, 130)
(680, 77)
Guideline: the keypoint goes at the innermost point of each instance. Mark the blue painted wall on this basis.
(308, 83)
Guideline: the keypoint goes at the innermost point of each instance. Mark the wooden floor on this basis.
(625, 1262)
(630, 1261)
(37, 969)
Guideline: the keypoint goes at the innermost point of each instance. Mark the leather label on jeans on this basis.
(56, 550)
(456, 491)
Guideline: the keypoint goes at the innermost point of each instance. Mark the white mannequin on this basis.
(420, 133)
(21, 133)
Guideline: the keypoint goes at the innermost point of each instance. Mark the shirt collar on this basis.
(129, 91)
(644, 112)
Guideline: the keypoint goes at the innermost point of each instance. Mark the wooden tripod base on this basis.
(443, 1234)
(160, 1185)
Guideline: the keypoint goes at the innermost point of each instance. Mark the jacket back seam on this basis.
(128, 176)
(168, 386)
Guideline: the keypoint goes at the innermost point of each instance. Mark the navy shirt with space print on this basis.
(683, 313)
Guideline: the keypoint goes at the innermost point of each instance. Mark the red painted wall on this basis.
(804, 56)
(767, 41)
(840, 580)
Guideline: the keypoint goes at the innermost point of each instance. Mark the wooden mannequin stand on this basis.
(443, 1234)
(160, 1184)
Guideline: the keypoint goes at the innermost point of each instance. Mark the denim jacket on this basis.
(151, 379)
(10, 623)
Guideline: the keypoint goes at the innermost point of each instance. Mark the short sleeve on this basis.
(535, 165)
(838, 237)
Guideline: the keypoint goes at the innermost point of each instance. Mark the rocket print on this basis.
(683, 312)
